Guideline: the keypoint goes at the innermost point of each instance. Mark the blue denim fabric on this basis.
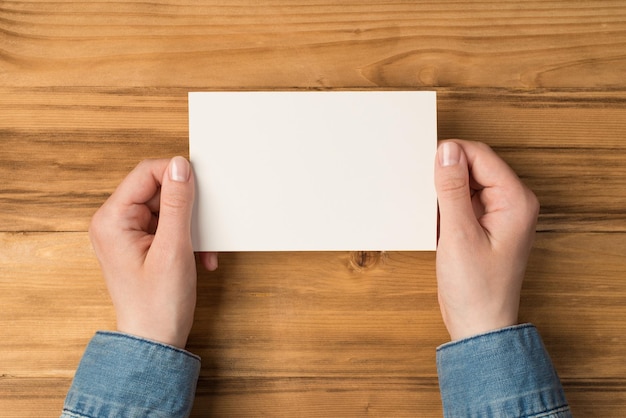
(504, 373)
(125, 376)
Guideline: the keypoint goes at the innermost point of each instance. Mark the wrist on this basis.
(177, 342)
(173, 336)
(472, 330)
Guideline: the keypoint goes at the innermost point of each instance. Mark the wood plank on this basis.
(318, 397)
(369, 397)
(575, 291)
(32, 397)
(313, 314)
(53, 300)
(579, 189)
(66, 149)
(314, 44)
(591, 398)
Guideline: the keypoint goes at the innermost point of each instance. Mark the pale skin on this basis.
(487, 226)
(142, 238)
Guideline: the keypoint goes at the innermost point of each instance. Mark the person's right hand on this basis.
(486, 228)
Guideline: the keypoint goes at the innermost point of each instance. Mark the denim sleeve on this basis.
(125, 376)
(504, 373)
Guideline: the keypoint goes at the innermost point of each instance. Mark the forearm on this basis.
(123, 375)
(502, 373)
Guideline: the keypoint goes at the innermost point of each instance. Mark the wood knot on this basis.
(364, 260)
(428, 76)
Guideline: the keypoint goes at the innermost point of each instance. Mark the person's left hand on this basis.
(142, 238)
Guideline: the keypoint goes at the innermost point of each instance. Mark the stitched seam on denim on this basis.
(476, 337)
(144, 340)
(553, 411)
(76, 414)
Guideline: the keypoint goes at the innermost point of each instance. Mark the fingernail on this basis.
(214, 263)
(449, 154)
(179, 169)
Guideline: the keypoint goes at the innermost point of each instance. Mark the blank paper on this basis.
(308, 171)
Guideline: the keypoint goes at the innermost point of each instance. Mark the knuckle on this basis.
(454, 185)
(484, 146)
(527, 197)
(95, 225)
(175, 201)
(534, 203)
(144, 163)
(526, 204)
(104, 222)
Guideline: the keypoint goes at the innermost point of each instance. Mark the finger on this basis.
(500, 192)
(478, 205)
(141, 184)
(129, 208)
(177, 195)
(209, 260)
(456, 210)
(487, 168)
(154, 203)
(500, 187)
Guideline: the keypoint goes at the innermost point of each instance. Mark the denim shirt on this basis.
(125, 376)
(506, 373)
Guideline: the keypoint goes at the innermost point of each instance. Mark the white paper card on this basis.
(307, 171)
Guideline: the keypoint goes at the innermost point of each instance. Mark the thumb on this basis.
(453, 190)
(177, 195)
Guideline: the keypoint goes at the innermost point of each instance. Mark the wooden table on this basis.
(88, 89)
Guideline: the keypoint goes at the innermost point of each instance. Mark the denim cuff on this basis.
(501, 373)
(121, 375)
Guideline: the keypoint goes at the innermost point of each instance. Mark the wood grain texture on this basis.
(32, 397)
(314, 44)
(88, 89)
